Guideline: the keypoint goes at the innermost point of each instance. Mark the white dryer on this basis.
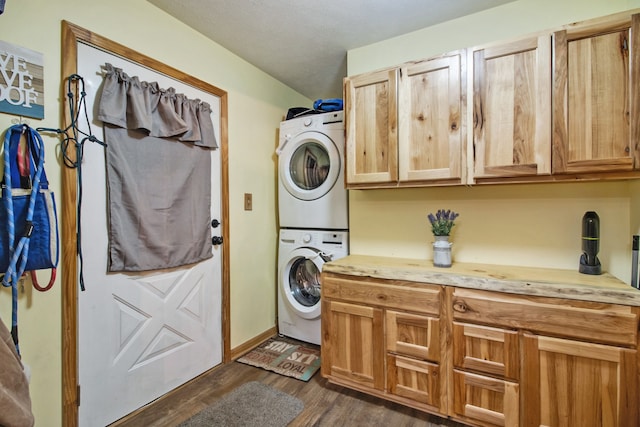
(311, 188)
(301, 255)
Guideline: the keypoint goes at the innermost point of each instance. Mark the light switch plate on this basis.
(248, 201)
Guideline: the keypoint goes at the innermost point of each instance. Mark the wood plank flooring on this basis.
(325, 404)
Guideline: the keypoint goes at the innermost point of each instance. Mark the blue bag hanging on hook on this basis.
(28, 217)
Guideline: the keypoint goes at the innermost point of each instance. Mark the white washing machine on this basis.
(311, 188)
(301, 255)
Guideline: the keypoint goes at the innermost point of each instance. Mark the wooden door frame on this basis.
(71, 36)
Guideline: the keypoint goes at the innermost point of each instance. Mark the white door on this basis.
(140, 335)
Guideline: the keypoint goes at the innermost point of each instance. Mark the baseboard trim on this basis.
(247, 346)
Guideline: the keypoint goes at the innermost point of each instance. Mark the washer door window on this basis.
(301, 282)
(309, 165)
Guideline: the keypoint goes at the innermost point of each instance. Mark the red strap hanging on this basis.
(34, 280)
(24, 168)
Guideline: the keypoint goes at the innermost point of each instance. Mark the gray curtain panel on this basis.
(158, 174)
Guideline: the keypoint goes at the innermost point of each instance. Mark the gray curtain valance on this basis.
(129, 103)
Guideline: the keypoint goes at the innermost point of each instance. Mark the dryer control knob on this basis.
(308, 122)
(306, 238)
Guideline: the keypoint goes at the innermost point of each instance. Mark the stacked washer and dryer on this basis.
(313, 213)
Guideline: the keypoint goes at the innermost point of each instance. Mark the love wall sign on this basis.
(21, 81)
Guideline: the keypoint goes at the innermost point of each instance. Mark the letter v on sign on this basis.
(4, 68)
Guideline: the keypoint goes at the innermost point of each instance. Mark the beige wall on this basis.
(531, 225)
(257, 104)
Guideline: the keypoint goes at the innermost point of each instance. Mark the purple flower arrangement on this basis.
(442, 222)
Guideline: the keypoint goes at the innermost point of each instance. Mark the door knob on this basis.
(215, 223)
(216, 240)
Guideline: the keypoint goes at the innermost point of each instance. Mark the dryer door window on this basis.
(304, 282)
(309, 165)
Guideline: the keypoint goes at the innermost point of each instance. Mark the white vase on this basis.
(442, 252)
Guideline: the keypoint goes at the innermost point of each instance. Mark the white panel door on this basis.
(140, 335)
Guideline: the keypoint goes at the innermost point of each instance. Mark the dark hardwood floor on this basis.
(325, 404)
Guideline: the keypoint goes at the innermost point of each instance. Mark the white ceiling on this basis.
(303, 43)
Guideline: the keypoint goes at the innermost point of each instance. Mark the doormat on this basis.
(285, 358)
(253, 404)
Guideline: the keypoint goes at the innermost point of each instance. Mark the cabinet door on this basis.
(512, 109)
(372, 128)
(414, 379)
(353, 344)
(413, 335)
(597, 98)
(571, 383)
(486, 350)
(486, 400)
(431, 114)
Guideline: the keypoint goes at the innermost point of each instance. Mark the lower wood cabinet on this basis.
(481, 357)
(572, 383)
(384, 338)
(353, 344)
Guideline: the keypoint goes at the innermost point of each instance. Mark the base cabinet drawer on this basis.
(486, 350)
(413, 335)
(400, 295)
(414, 379)
(582, 320)
(487, 401)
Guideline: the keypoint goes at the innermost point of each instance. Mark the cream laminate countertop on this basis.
(503, 278)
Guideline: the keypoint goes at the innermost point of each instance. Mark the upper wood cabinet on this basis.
(596, 97)
(405, 126)
(372, 128)
(560, 105)
(512, 109)
(432, 129)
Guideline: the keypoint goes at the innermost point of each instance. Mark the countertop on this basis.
(546, 282)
